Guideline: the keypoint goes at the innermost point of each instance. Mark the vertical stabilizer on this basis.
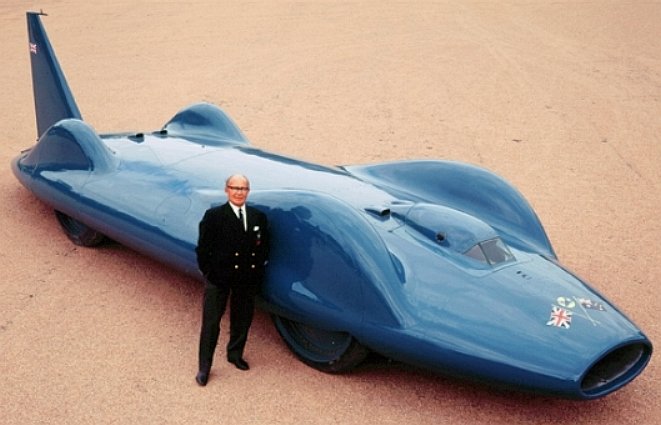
(53, 99)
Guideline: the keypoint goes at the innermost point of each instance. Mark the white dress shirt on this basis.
(245, 214)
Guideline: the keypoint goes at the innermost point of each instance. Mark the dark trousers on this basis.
(242, 307)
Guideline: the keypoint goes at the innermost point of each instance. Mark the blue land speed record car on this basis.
(438, 264)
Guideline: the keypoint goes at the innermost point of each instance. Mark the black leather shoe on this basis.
(201, 378)
(240, 364)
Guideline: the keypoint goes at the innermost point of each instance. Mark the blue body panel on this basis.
(377, 251)
(50, 86)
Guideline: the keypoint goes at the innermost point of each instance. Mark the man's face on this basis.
(237, 190)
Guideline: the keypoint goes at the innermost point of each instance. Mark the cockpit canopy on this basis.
(494, 251)
(458, 232)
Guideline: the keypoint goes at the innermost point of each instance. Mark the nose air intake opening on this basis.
(616, 368)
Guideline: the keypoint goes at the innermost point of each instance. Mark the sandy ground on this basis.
(561, 98)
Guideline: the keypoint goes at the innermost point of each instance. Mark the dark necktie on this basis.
(243, 223)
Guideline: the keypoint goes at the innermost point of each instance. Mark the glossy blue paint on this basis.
(379, 252)
(50, 87)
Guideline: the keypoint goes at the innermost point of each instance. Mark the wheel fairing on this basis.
(467, 188)
(328, 264)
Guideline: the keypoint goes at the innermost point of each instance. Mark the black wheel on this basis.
(327, 351)
(78, 232)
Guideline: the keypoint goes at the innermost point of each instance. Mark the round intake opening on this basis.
(616, 368)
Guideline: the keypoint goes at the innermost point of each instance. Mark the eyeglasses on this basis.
(239, 188)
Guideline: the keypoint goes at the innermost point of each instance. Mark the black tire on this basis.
(327, 351)
(78, 232)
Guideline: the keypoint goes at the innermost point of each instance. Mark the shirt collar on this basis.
(235, 208)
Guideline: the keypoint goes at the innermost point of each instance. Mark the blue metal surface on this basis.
(53, 99)
(377, 251)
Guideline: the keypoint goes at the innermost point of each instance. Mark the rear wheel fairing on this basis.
(205, 122)
(70, 145)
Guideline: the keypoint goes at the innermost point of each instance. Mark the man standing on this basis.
(232, 252)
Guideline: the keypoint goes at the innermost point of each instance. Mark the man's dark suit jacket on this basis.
(228, 254)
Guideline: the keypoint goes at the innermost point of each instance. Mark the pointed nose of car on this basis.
(530, 322)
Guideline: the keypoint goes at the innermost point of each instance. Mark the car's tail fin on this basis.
(53, 99)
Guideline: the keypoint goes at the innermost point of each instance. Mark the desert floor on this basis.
(561, 98)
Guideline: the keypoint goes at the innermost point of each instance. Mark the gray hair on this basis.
(227, 181)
